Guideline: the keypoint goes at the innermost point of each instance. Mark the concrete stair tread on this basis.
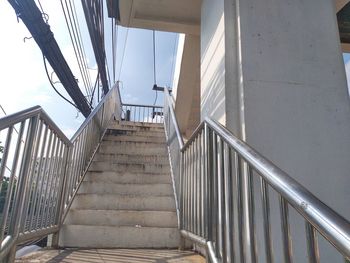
(134, 132)
(130, 141)
(121, 218)
(119, 237)
(154, 189)
(126, 167)
(137, 124)
(126, 199)
(133, 158)
(129, 178)
(124, 202)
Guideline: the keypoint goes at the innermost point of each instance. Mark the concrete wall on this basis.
(213, 60)
(187, 104)
(295, 107)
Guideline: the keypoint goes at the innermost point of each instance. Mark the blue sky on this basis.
(24, 82)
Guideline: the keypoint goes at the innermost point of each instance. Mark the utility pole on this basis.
(32, 17)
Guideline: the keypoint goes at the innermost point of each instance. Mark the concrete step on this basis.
(133, 158)
(133, 148)
(121, 218)
(130, 167)
(137, 126)
(116, 132)
(118, 237)
(134, 138)
(127, 177)
(123, 202)
(126, 189)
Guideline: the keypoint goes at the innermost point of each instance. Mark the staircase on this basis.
(126, 199)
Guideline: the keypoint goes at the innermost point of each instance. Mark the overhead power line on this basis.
(93, 11)
(32, 17)
(73, 26)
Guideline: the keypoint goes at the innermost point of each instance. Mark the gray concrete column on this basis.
(286, 95)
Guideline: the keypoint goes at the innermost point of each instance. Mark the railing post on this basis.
(22, 184)
(62, 196)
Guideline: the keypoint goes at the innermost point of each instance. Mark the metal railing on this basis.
(217, 200)
(41, 170)
(142, 113)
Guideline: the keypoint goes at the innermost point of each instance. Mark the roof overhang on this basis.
(181, 16)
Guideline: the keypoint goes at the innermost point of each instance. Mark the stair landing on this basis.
(112, 255)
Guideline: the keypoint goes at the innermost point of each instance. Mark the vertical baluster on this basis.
(21, 192)
(220, 201)
(266, 219)
(5, 154)
(38, 178)
(197, 189)
(28, 210)
(286, 234)
(11, 183)
(63, 189)
(239, 204)
(55, 186)
(187, 197)
(215, 193)
(134, 120)
(143, 114)
(206, 182)
(71, 171)
(43, 181)
(192, 193)
(252, 239)
(312, 243)
(49, 181)
(210, 183)
(203, 172)
(148, 116)
(228, 205)
(181, 190)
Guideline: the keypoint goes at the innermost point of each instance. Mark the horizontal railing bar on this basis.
(141, 105)
(27, 236)
(329, 223)
(193, 136)
(17, 117)
(173, 117)
(54, 127)
(195, 238)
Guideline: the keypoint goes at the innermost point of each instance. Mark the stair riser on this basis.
(130, 148)
(122, 158)
(136, 127)
(110, 177)
(115, 202)
(114, 237)
(121, 218)
(129, 189)
(133, 138)
(137, 168)
(156, 133)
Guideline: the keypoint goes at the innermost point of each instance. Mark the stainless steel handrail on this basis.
(334, 227)
(142, 113)
(175, 143)
(170, 107)
(209, 159)
(46, 170)
(12, 119)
